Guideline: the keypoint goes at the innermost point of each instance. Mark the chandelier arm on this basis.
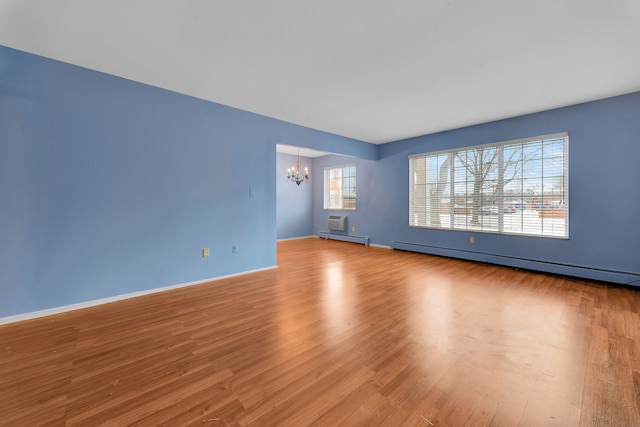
(294, 174)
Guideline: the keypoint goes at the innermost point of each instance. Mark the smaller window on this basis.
(340, 188)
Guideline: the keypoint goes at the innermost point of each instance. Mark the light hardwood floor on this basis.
(339, 334)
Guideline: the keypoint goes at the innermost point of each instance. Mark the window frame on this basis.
(420, 211)
(342, 189)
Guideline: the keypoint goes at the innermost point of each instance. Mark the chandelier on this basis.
(294, 174)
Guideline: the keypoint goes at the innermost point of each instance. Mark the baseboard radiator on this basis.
(593, 273)
(364, 240)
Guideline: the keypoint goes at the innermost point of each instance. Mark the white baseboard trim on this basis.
(92, 303)
(375, 245)
(295, 238)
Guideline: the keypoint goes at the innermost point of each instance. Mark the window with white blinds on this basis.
(340, 188)
(513, 187)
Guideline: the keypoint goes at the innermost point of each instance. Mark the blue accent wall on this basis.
(294, 203)
(109, 187)
(365, 217)
(604, 194)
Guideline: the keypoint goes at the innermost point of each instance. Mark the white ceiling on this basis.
(373, 70)
(301, 151)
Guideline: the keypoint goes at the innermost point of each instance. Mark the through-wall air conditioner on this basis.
(337, 222)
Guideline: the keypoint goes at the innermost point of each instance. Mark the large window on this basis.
(513, 187)
(340, 188)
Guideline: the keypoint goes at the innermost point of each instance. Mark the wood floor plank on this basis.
(339, 334)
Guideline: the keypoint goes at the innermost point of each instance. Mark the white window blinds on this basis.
(513, 187)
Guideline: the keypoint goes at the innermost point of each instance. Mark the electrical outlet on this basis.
(234, 249)
(205, 252)
(353, 229)
(472, 240)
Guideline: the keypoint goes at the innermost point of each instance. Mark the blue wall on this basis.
(604, 193)
(366, 216)
(294, 204)
(109, 187)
